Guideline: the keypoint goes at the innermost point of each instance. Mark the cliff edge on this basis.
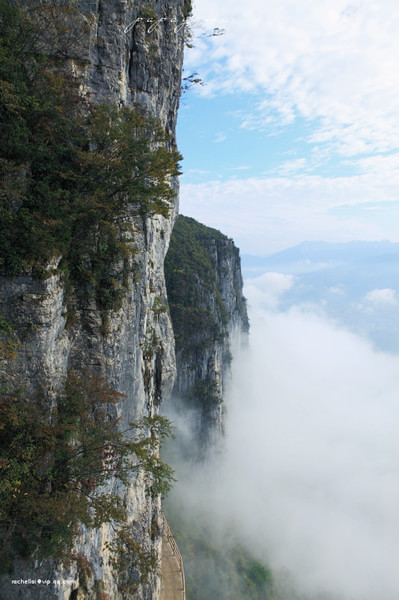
(96, 316)
(208, 311)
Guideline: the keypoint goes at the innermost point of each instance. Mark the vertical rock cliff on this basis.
(131, 52)
(204, 283)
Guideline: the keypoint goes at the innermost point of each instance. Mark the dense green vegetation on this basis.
(8, 340)
(68, 168)
(187, 8)
(197, 311)
(217, 568)
(53, 464)
(68, 171)
(191, 284)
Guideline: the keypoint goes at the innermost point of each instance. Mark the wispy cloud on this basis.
(266, 290)
(241, 168)
(267, 214)
(335, 64)
(197, 172)
(220, 137)
(293, 166)
(385, 296)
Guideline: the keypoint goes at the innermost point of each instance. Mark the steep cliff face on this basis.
(131, 53)
(204, 283)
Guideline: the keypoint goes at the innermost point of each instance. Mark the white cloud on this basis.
(292, 166)
(241, 168)
(220, 137)
(385, 296)
(198, 172)
(267, 289)
(312, 452)
(334, 63)
(267, 214)
(381, 166)
(337, 290)
(309, 476)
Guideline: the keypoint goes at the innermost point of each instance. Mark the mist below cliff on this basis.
(308, 479)
(313, 433)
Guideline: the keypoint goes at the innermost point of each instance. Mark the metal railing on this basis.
(176, 552)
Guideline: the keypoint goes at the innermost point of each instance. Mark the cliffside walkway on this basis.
(172, 573)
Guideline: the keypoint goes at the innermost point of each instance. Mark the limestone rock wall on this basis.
(123, 60)
(204, 282)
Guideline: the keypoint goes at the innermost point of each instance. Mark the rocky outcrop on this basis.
(130, 53)
(133, 54)
(204, 283)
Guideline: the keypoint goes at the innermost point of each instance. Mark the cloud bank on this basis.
(309, 478)
(311, 455)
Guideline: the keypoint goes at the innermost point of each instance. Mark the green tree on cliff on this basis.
(68, 168)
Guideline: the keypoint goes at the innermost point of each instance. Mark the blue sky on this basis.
(295, 137)
(295, 134)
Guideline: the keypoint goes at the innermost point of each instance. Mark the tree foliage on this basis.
(8, 340)
(69, 168)
(217, 566)
(191, 281)
(54, 464)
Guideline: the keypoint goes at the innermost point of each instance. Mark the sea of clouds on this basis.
(309, 477)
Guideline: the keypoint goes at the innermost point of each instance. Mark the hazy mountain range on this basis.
(355, 283)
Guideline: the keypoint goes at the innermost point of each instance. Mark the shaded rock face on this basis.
(122, 62)
(204, 283)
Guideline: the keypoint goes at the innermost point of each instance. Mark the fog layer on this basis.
(309, 478)
(312, 454)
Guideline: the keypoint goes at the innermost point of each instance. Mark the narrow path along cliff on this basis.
(172, 572)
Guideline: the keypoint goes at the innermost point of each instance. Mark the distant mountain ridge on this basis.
(310, 256)
(355, 283)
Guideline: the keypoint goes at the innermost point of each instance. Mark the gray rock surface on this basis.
(204, 282)
(125, 61)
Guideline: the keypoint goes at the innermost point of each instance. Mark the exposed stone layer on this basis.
(124, 61)
(204, 282)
